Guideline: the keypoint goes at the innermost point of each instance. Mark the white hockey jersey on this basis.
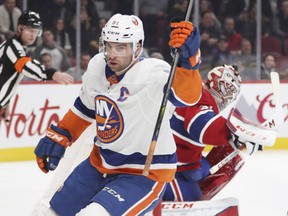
(126, 110)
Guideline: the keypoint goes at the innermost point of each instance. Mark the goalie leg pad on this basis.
(222, 207)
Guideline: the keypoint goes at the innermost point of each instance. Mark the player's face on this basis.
(118, 55)
(28, 35)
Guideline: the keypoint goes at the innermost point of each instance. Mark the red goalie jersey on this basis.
(196, 126)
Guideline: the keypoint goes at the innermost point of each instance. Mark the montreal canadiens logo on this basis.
(109, 120)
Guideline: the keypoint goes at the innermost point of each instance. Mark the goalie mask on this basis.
(224, 84)
(124, 29)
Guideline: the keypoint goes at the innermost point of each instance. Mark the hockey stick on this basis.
(163, 104)
(277, 119)
(224, 161)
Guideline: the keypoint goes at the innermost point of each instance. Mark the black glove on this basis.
(250, 147)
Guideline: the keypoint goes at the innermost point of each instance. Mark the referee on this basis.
(15, 62)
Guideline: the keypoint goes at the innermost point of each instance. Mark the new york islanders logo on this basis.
(109, 120)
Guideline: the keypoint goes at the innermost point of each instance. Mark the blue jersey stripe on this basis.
(83, 109)
(199, 123)
(117, 159)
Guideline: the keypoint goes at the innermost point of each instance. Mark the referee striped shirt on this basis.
(14, 65)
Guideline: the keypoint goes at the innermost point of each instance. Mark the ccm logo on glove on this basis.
(56, 137)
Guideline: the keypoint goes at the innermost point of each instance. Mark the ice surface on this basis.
(261, 186)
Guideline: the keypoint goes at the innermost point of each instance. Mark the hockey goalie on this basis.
(201, 177)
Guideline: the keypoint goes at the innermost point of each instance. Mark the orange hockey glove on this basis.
(186, 37)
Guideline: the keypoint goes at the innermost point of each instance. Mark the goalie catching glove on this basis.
(250, 147)
(186, 37)
(51, 148)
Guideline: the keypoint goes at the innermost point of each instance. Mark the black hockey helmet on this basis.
(30, 18)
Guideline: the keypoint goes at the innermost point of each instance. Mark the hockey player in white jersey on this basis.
(123, 93)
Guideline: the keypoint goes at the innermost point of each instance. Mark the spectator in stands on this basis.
(247, 23)
(87, 32)
(267, 66)
(9, 15)
(233, 38)
(57, 9)
(91, 9)
(46, 60)
(59, 56)
(210, 32)
(221, 54)
(153, 14)
(246, 61)
(224, 8)
(205, 5)
(77, 74)
(61, 36)
(280, 21)
(95, 44)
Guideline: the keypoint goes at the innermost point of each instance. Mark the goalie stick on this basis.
(224, 161)
(277, 119)
(163, 105)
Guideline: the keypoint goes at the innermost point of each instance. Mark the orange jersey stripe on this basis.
(156, 191)
(190, 92)
(159, 175)
(194, 60)
(74, 124)
(19, 65)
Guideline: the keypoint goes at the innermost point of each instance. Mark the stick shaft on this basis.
(163, 105)
(277, 119)
(224, 161)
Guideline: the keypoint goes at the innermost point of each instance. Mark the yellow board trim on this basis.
(27, 153)
(17, 154)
